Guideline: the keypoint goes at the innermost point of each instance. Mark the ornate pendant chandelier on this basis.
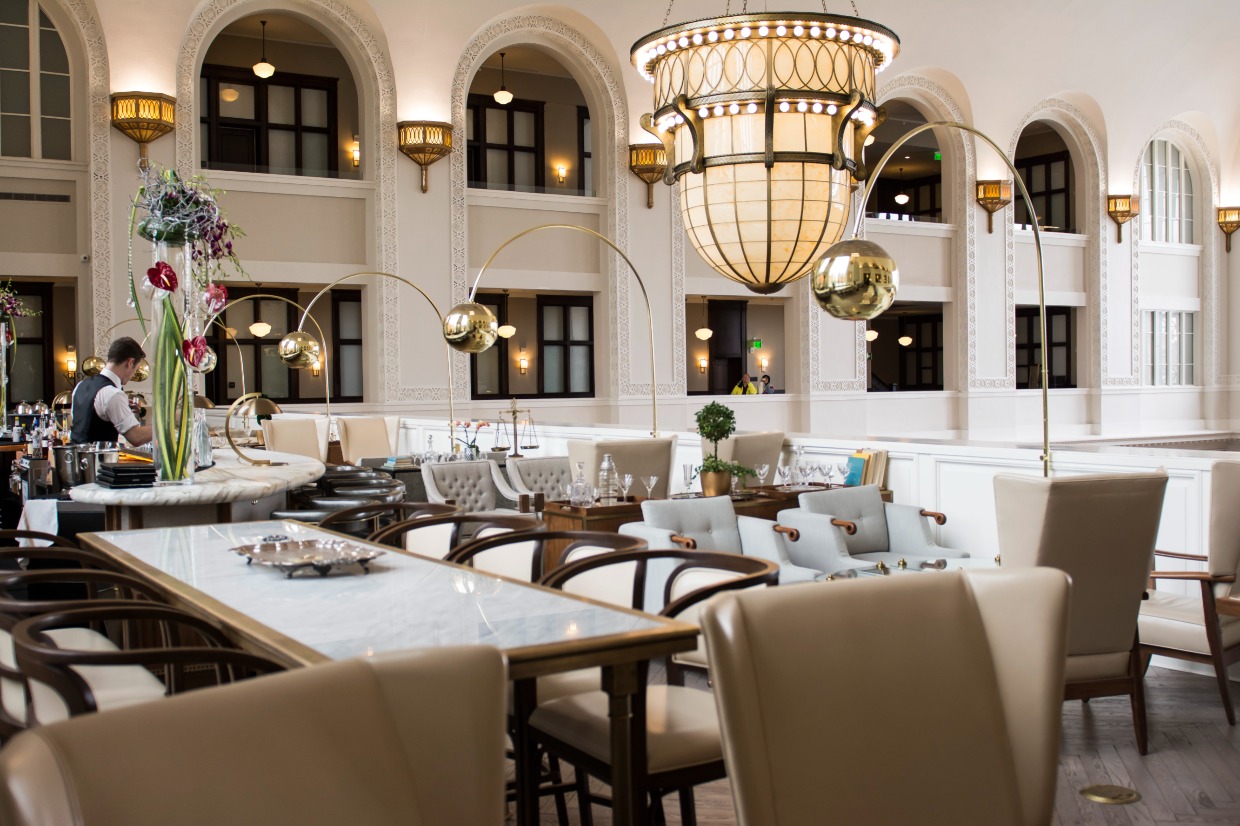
(764, 118)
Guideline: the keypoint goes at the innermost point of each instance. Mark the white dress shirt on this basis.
(112, 405)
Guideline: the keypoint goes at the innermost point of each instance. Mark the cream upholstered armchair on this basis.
(640, 457)
(983, 755)
(752, 449)
(300, 435)
(711, 524)
(476, 486)
(1100, 530)
(1206, 629)
(548, 475)
(367, 437)
(855, 528)
(265, 751)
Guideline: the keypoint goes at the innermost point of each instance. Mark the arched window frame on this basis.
(1168, 201)
(41, 111)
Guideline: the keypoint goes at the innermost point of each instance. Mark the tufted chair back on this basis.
(367, 437)
(709, 521)
(640, 457)
(862, 506)
(546, 475)
(301, 435)
(468, 484)
(750, 449)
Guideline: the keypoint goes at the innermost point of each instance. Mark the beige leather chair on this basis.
(367, 437)
(1205, 630)
(752, 449)
(1100, 530)
(547, 475)
(976, 740)
(476, 486)
(339, 743)
(302, 436)
(640, 457)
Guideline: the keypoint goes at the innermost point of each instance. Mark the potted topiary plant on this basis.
(716, 422)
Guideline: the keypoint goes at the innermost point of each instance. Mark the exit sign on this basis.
(756, 344)
(938, 156)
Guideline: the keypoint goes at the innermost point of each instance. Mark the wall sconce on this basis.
(1228, 222)
(145, 117)
(1122, 208)
(905, 340)
(424, 142)
(763, 363)
(648, 161)
(316, 367)
(870, 335)
(560, 172)
(702, 365)
(356, 152)
(71, 366)
(523, 363)
(993, 196)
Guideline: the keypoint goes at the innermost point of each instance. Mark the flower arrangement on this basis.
(470, 441)
(192, 243)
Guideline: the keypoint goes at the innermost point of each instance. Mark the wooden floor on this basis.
(1191, 774)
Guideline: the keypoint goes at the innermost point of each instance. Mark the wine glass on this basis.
(626, 482)
(762, 471)
(842, 467)
(650, 482)
(785, 473)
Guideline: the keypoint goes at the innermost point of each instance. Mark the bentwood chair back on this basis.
(367, 437)
(640, 457)
(822, 724)
(1100, 530)
(524, 554)
(437, 536)
(301, 435)
(336, 743)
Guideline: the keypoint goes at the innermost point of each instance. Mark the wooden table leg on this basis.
(524, 699)
(625, 685)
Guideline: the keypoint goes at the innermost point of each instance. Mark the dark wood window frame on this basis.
(216, 381)
(477, 147)
(233, 76)
(30, 289)
(583, 151)
(565, 302)
(338, 342)
(922, 345)
(1029, 354)
(500, 302)
(1053, 222)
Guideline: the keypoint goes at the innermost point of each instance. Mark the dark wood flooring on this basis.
(1191, 774)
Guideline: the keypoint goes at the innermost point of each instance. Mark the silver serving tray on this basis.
(322, 555)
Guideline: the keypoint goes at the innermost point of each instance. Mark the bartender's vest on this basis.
(89, 426)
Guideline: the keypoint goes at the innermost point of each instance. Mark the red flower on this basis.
(162, 276)
(215, 297)
(195, 350)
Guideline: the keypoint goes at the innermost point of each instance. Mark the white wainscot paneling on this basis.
(922, 250)
(1063, 261)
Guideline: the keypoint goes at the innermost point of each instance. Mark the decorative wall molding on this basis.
(560, 37)
(1082, 132)
(369, 59)
(99, 139)
(680, 330)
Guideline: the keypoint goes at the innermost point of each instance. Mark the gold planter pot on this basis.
(716, 483)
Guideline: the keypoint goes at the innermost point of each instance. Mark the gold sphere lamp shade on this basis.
(299, 350)
(764, 118)
(648, 162)
(143, 371)
(92, 365)
(470, 328)
(143, 116)
(424, 142)
(856, 280)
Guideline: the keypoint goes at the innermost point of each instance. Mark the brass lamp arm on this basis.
(1045, 458)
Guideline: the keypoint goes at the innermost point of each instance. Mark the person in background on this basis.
(766, 384)
(101, 411)
(745, 387)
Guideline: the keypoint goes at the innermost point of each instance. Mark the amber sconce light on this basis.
(702, 365)
(424, 142)
(1122, 209)
(993, 196)
(1228, 222)
(145, 117)
(648, 161)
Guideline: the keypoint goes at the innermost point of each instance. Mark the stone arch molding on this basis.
(1081, 131)
(564, 39)
(1189, 139)
(935, 97)
(99, 125)
(368, 55)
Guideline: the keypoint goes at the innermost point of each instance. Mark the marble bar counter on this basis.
(231, 491)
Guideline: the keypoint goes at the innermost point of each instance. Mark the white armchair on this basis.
(711, 524)
(640, 457)
(477, 487)
(547, 475)
(860, 529)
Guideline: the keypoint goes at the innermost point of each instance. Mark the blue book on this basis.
(856, 471)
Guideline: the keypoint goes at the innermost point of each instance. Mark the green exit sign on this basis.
(938, 156)
(756, 344)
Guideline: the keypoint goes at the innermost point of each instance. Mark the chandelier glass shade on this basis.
(764, 118)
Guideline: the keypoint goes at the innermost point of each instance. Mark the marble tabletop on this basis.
(230, 480)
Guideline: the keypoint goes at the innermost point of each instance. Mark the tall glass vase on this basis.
(172, 402)
(4, 373)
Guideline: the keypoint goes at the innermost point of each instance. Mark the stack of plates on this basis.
(126, 475)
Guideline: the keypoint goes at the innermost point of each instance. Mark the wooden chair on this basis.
(1203, 631)
(436, 536)
(1100, 530)
(523, 554)
(369, 519)
(12, 538)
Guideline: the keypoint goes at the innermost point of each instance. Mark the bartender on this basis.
(101, 411)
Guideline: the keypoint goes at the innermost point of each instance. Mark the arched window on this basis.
(1166, 194)
(1045, 167)
(34, 85)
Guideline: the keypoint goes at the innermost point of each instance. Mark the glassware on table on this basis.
(842, 467)
(650, 482)
(762, 471)
(626, 482)
(687, 467)
(736, 485)
(784, 473)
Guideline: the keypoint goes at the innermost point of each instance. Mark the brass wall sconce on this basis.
(316, 368)
(71, 366)
(702, 365)
(764, 362)
(523, 363)
(648, 161)
(1122, 209)
(424, 142)
(356, 152)
(145, 117)
(993, 196)
(1228, 222)
(560, 172)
